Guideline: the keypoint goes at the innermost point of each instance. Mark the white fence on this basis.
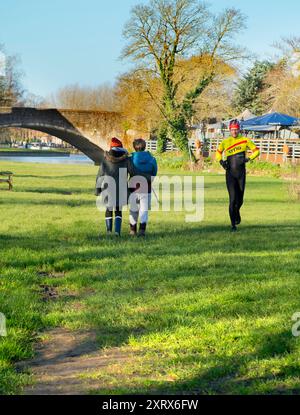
(152, 146)
(271, 149)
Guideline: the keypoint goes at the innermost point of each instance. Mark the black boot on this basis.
(142, 230)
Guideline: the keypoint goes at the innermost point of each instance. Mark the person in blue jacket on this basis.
(144, 165)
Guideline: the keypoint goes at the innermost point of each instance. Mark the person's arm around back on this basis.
(99, 180)
(155, 167)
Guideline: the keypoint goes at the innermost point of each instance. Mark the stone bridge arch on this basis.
(85, 130)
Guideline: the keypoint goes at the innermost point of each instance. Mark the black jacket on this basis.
(114, 161)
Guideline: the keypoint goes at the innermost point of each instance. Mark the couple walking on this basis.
(126, 179)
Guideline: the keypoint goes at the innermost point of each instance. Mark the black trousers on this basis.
(236, 184)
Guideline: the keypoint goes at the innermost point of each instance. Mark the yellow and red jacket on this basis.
(240, 144)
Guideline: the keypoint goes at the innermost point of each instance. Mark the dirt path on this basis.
(64, 358)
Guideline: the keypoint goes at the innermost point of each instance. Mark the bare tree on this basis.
(35, 101)
(283, 91)
(288, 45)
(100, 98)
(161, 33)
(11, 90)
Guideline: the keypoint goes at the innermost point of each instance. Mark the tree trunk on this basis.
(179, 133)
(162, 138)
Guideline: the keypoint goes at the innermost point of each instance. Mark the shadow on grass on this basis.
(227, 376)
(51, 202)
(62, 177)
(164, 242)
(51, 191)
(224, 376)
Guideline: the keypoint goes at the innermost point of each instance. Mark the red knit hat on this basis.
(115, 142)
(235, 125)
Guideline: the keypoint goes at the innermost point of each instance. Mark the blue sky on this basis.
(79, 41)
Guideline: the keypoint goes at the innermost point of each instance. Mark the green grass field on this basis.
(205, 311)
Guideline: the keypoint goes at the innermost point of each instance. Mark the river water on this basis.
(72, 159)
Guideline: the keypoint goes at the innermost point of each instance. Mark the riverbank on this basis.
(7, 152)
(69, 159)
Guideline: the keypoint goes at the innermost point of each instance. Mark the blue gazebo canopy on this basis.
(275, 119)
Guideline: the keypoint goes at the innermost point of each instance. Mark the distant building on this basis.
(22, 135)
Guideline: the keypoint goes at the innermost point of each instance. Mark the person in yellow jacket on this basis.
(235, 149)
